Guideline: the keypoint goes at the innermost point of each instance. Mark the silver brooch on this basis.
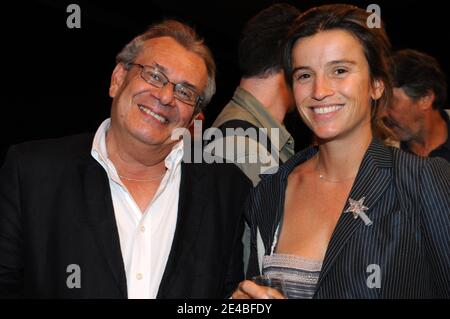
(357, 209)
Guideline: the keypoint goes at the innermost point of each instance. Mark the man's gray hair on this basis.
(186, 37)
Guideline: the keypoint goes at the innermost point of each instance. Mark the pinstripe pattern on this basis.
(409, 203)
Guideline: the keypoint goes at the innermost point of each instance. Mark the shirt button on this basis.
(142, 229)
(139, 276)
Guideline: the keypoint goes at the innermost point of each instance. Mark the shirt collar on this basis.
(175, 156)
(100, 153)
(98, 150)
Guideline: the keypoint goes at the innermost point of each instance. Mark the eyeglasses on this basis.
(153, 76)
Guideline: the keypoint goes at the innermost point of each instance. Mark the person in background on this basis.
(416, 115)
(261, 100)
(263, 97)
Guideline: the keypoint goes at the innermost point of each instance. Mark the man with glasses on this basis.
(121, 214)
(182, 91)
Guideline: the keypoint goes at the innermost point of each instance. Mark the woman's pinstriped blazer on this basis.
(405, 253)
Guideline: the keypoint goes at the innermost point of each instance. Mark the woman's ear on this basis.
(117, 79)
(377, 89)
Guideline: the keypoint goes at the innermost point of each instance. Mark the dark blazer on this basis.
(56, 210)
(408, 200)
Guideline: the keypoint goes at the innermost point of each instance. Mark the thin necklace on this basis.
(322, 177)
(142, 180)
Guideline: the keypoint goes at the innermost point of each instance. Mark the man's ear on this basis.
(194, 117)
(377, 89)
(117, 79)
(426, 101)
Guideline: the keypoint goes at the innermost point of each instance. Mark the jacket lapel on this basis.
(190, 212)
(265, 211)
(372, 180)
(101, 219)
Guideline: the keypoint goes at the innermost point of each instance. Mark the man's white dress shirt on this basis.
(145, 237)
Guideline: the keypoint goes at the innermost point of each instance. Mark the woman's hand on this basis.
(249, 290)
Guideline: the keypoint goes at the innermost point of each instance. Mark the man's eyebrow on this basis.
(184, 83)
(300, 68)
(159, 67)
(341, 62)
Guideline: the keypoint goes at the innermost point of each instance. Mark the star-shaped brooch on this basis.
(357, 209)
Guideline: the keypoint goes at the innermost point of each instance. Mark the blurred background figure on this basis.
(416, 115)
(262, 99)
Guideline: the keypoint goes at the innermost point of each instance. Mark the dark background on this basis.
(56, 80)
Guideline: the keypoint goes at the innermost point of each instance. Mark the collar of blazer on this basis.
(373, 178)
